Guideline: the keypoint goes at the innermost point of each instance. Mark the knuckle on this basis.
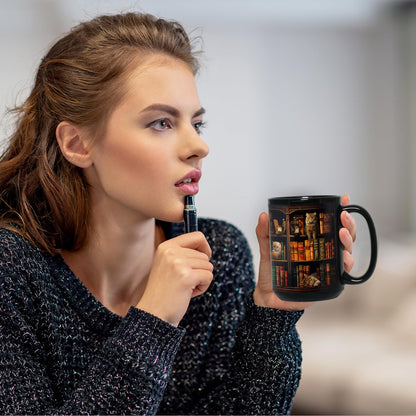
(178, 264)
(169, 252)
(208, 278)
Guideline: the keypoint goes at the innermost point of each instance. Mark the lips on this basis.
(189, 183)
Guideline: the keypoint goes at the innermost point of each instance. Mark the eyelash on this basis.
(198, 126)
(160, 120)
(201, 125)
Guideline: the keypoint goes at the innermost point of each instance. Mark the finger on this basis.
(187, 266)
(190, 254)
(348, 261)
(264, 282)
(262, 233)
(345, 199)
(349, 223)
(195, 240)
(200, 264)
(346, 239)
(204, 281)
(180, 258)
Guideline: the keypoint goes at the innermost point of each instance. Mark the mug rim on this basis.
(304, 198)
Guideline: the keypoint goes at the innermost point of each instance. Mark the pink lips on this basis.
(189, 183)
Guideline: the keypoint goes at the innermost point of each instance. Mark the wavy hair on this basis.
(44, 197)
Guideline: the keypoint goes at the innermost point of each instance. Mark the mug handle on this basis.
(351, 280)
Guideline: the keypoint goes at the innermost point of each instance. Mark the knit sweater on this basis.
(63, 352)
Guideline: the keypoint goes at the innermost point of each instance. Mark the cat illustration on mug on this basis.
(311, 281)
(311, 225)
(277, 250)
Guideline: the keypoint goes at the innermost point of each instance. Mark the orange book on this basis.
(307, 251)
(328, 274)
(321, 223)
(301, 250)
(296, 252)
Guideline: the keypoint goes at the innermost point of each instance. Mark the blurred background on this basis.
(302, 97)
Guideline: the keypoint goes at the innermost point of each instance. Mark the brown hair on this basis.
(42, 195)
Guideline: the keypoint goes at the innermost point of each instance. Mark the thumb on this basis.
(262, 232)
(264, 283)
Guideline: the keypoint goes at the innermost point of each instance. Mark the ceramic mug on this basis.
(306, 253)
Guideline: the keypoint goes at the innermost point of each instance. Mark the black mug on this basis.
(306, 253)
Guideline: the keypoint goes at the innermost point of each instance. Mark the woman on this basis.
(100, 306)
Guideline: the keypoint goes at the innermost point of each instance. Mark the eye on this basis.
(199, 126)
(161, 124)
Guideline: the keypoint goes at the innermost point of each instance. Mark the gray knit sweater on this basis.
(63, 352)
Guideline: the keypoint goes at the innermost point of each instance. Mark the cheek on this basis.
(149, 164)
(137, 164)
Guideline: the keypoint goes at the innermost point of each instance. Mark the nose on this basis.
(193, 145)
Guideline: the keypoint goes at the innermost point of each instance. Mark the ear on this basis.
(73, 145)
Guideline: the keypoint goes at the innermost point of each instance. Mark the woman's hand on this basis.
(263, 294)
(181, 270)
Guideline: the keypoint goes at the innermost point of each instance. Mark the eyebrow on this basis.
(170, 110)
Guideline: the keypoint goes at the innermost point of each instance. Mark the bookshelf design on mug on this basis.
(302, 248)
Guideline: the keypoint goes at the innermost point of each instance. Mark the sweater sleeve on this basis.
(260, 350)
(265, 366)
(131, 374)
(128, 375)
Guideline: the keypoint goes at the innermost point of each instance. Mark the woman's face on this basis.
(151, 153)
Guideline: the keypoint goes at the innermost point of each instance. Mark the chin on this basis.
(173, 214)
(171, 217)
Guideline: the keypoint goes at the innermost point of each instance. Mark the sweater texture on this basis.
(63, 352)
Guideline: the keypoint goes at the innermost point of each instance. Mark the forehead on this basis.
(159, 77)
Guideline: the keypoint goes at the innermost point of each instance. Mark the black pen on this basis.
(189, 215)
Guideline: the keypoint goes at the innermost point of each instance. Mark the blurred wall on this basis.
(408, 26)
(299, 99)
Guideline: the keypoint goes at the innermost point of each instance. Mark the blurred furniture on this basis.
(360, 349)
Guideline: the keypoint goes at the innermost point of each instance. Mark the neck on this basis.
(115, 262)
